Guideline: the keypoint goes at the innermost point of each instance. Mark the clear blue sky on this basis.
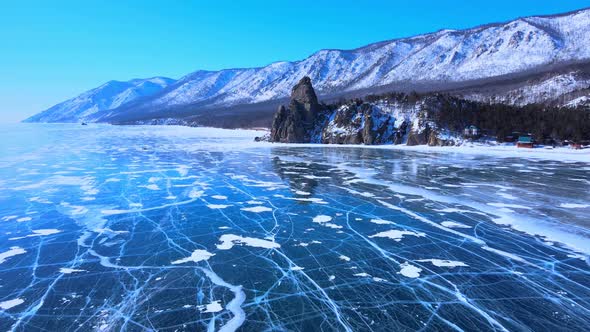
(53, 50)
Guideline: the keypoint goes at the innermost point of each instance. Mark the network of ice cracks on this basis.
(143, 235)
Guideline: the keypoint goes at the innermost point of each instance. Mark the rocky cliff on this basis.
(386, 121)
(296, 123)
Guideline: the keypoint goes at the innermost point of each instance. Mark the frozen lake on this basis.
(183, 229)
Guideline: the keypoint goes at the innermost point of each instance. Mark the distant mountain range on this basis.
(98, 102)
(540, 59)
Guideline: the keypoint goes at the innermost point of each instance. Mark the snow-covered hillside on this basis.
(557, 89)
(447, 56)
(111, 95)
(580, 101)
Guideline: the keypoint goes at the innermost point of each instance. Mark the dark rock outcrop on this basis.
(399, 120)
(288, 127)
(428, 136)
(304, 99)
(419, 138)
(294, 124)
(305, 121)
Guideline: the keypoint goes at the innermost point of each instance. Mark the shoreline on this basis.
(562, 154)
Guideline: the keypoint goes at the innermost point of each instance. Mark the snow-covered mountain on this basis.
(416, 119)
(442, 58)
(89, 105)
(568, 87)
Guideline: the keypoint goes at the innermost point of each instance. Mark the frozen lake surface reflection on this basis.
(183, 229)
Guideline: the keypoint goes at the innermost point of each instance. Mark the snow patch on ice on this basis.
(152, 187)
(257, 209)
(229, 240)
(574, 206)
(397, 235)
(409, 270)
(443, 262)
(214, 306)
(381, 222)
(197, 256)
(512, 206)
(194, 193)
(322, 219)
(11, 304)
(362, 275)
(38, 232)
(344, 258)
(66, 270)
(14, 251)
(217, 206)
(453, 224)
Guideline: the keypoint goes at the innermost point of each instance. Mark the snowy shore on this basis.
(244, 138)
(565, 154)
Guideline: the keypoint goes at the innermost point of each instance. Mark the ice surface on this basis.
(309, 237)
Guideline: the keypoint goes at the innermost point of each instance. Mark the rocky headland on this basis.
(382, 121)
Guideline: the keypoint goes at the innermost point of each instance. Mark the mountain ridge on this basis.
(107, 96)
(446, 56)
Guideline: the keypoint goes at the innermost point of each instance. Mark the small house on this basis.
(525, 142)
(471, 131)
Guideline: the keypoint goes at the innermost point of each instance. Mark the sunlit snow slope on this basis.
(108, 96)
(448, 57)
